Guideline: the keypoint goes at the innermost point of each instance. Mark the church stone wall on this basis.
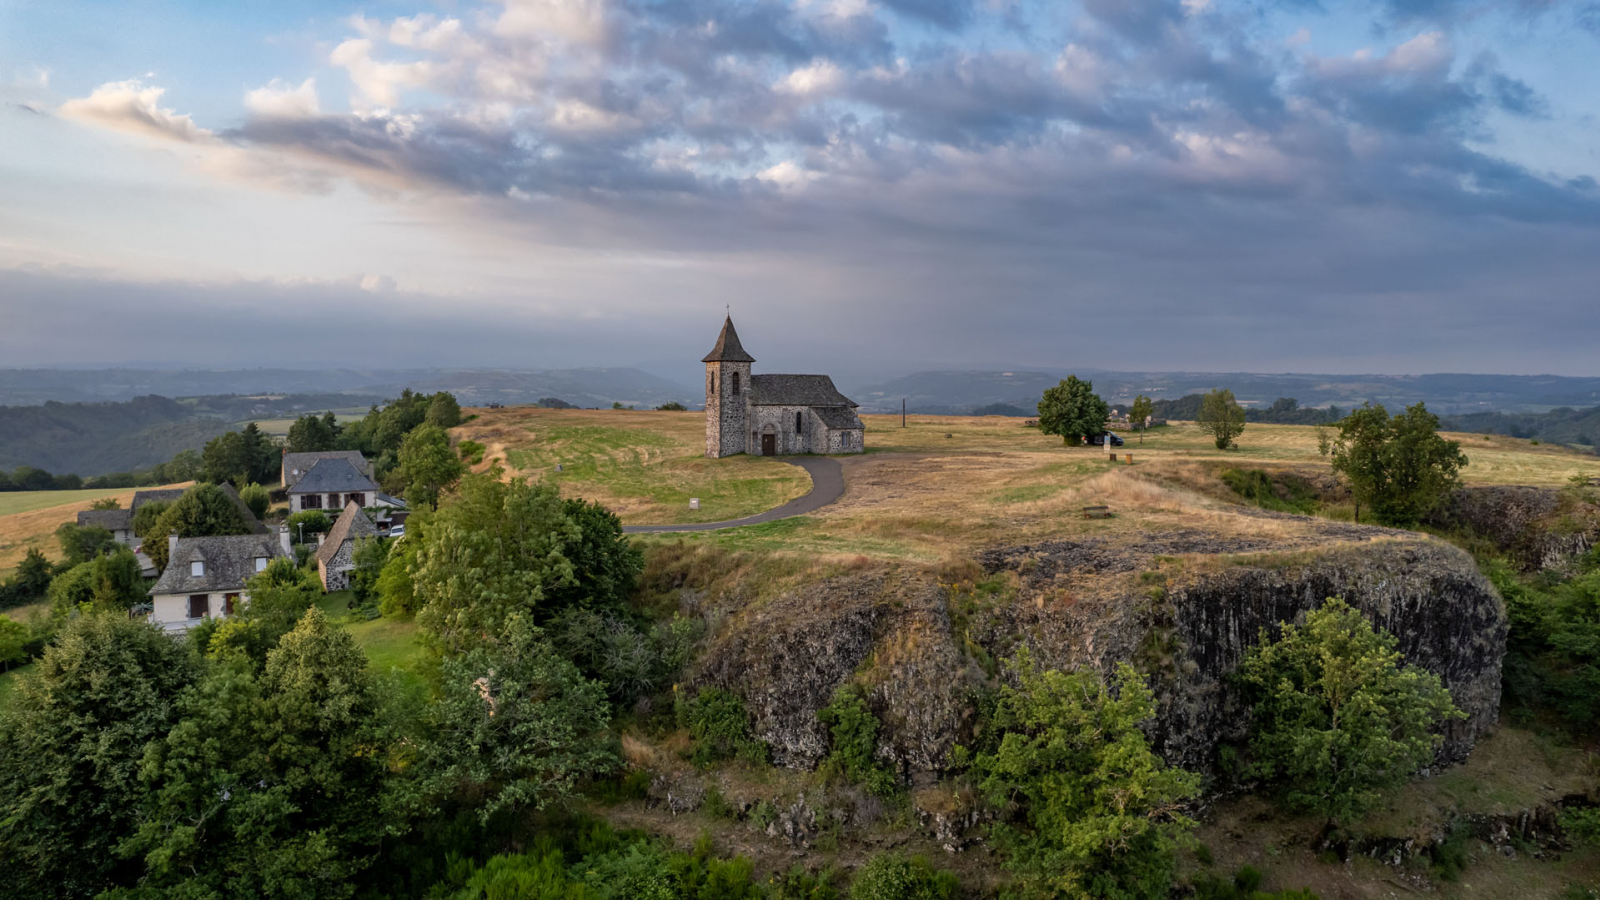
(781, 420)
(726, 432)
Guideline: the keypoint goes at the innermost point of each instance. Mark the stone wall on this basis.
(810, 439)
(336, 574)
(726, 413)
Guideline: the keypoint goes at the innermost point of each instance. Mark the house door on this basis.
(227, 603)
(769, 445)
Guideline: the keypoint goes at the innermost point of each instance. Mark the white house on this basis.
(206, 576)
(334, 482)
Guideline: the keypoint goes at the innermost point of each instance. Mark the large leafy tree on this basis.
(1399, 468)
(1221, 417)
(240, 457)
(516, 726)
(204, 510)
(313, 433)
(1101, 813)
(272, 785)
(1335, 716)
(605, 563)
(69, 753)
(443, 411)
(1073, 410)
(427, 465)
(111, 583)
(79, 544)
(495, 549)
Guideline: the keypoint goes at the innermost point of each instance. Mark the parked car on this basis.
(397, 531)
(1099, 440)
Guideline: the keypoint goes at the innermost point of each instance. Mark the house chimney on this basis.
(283, 541)
(321, 536)
(172, 547)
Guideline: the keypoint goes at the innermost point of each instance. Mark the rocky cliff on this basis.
(1181, 607)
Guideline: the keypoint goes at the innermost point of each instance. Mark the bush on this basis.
(308, 522)
(717, 721)
(1284, 494)
(257, 499)
(471, 452)
(890, 876)
(1335, 718)
(1245, 885)
(671, 406)
(853, 747)
(1101, 814)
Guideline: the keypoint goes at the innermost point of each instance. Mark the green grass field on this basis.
(13, 502)
(393, 648)
(644, 465)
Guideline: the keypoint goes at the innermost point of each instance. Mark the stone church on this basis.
(771, 415)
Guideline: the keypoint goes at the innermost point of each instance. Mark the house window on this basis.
(199, 605)
(261, 564)
(197, 568)
(799, 426)
(311, 501)
(358, 499)
(227, 603)
(736, 384)
(333, 501)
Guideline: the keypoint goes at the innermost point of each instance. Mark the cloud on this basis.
(280, 101)
(133, 107)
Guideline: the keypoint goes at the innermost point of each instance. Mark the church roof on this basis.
(838, 418)
(728, 348)
(795, 390)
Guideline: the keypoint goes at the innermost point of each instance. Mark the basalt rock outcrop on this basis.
(1538, 528)
(1181, 607)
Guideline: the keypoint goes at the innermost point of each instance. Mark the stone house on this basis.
(117, 521)
(771, 415)
(206, 576)
(336, 549)
(333, 482)
(296, 465)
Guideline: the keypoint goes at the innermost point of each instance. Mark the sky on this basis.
(868, 186)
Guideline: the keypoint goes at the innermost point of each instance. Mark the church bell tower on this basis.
(727, 394)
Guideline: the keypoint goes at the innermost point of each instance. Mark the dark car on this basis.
(1099, 440)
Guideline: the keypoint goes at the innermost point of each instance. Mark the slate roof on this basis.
(728, 348)
(352, 524)
(333, 475)
(838, 418)
(795, 390)
(166, 495)
(296, 465)
(230, 562)
(395, 502)
(109, 519)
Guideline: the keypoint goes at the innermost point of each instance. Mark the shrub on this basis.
(717, 721)
(854, 741)
(891, 876)
(671, 406)
(1101, 813)
(1334, 716)
(471, 452)
(308, 522)
(1287, 494)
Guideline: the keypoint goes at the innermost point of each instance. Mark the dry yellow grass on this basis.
(946, 485)
(36, 528)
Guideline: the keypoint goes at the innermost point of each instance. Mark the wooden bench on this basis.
(1097, 512)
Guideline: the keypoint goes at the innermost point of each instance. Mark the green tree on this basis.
(1140, 414)
(280, 595)
(204, 510)
(185, 465)
(1399, 467)
(256, 498)
(605, 562)
(80, 544)
(1221, 417)
(397, 590)
(13, 637)
(1073, 410)
(311, 434)
(443, 411)
(144, 521)
(106, 503)
(427, 466)
(33, 574)
(368, 557)
(110, 583)
(516, 726)
(1102, 812)
(853, 741)
(308, 522)
(510, 536)
(272, 784)
(1335, 717)
(69, 753)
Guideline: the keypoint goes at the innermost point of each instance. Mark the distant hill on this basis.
(96, 438)
(965, 391)
(473, 387)
(1580, 427)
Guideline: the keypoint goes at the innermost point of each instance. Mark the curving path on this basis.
(827, 485)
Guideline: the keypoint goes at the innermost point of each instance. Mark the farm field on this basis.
(942, 484)
(29, 519)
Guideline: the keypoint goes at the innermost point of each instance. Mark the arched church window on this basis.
(799, 426)
(713, 388)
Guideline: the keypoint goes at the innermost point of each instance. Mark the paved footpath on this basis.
(827, 485)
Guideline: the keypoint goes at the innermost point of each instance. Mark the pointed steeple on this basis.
(728, 348)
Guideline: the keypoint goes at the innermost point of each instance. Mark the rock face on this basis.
(1539, 528)
(921, 647)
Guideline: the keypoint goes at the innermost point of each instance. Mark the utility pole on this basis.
(902, 412)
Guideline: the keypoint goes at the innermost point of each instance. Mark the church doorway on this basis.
(769, 445)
